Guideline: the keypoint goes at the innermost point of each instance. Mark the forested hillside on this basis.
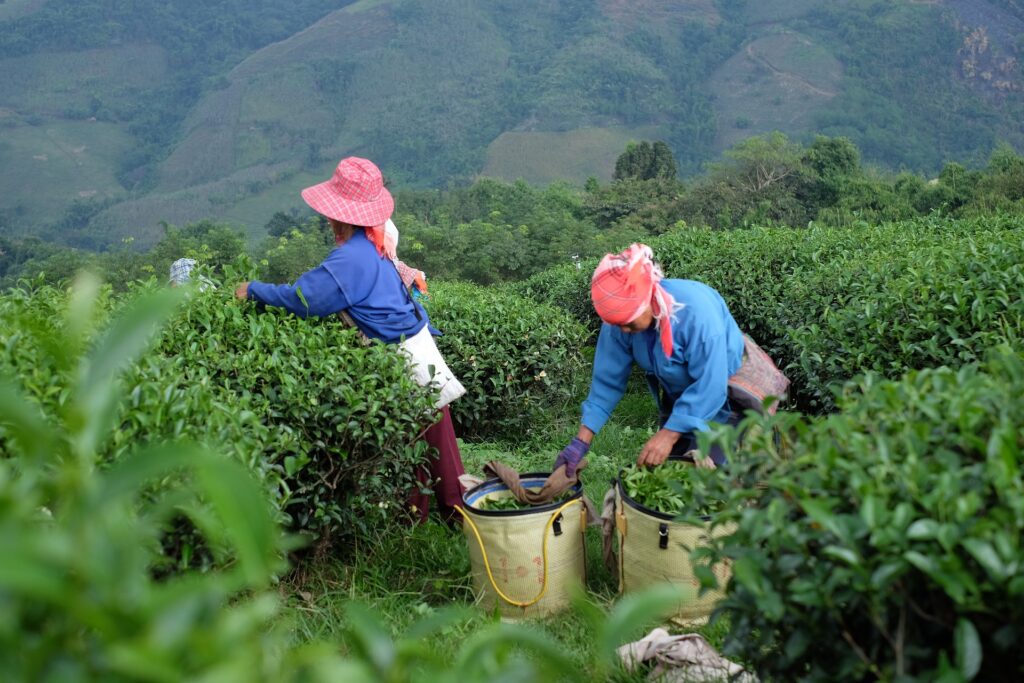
(118, 116)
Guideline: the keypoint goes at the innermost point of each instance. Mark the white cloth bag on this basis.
(429, 368)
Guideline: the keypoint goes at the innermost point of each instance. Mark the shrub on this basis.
(831, 303)
(289, 255)
(80, 539)
(79, 542)
(566, 287)
(341, 420)
(329, 426)
(886, 543)
(518, 360)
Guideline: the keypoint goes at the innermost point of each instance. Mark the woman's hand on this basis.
(242, 291)
(571, 456)
(657, 448)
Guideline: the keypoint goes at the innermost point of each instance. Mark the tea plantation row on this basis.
(884, 542)
(831, 303)
(329, 425)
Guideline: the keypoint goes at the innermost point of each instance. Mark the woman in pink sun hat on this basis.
(359, 280)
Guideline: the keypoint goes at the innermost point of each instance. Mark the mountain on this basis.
(116, 116)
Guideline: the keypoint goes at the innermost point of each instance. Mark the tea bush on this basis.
(329, 426)
(341, 419)
(518, 360)
(567, 288)
(80, 542)
(830, 303)
(80, 538)
(885, 543)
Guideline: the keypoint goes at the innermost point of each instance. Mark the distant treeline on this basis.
(493, 232)
(906, 99)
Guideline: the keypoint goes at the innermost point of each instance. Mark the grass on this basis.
(777, 82)
(541, 158)
(15, 9)
(46, 168)
(404, 576)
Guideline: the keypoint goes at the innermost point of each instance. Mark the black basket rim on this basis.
(577, 493)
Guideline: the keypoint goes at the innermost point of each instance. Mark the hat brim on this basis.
(324, 200)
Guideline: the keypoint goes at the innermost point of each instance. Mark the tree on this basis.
(831, 164)
(760, 162)
(832, 157)
(645, 161)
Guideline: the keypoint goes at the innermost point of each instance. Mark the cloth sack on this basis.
(687, 658)
(554, 486)
(428, 367)
(757, 379)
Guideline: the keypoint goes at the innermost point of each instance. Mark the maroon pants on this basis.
(441, 471)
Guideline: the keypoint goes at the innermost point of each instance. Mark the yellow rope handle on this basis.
(544, 552)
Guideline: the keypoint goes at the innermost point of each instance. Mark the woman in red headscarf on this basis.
(680, 332)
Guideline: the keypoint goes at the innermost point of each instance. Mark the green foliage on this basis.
(672, 488)
(494, 232)
(567, 288)
(645, 161)
(755, 185)
(630, 209)
(80, 541)
(329, 426)
(518, 361)
(290, 254)
(212, 245)
(884, 542)
(81, 537)
(831, 303)
(343, 418)
(29, 257)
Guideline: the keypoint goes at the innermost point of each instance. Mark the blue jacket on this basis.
(355, 278)
(707, 350)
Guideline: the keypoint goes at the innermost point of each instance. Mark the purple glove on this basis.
(571, 456)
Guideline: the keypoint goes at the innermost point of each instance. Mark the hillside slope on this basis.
(439, 91)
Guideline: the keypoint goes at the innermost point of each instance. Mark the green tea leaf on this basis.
(968, 649)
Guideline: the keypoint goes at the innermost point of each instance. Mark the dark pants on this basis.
(441, 471)
(688, 440)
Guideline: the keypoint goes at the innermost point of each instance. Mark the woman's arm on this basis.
(613, 361)
(314, 293)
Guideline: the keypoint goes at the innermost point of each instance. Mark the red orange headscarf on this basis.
(625, 284)
(385, 238)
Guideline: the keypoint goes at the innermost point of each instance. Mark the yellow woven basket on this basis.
(525, 562)
(654, 548)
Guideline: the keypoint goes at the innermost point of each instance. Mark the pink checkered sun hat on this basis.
(355, 194)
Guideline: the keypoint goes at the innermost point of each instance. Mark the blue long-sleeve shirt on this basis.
(707, 350)
(355, 278)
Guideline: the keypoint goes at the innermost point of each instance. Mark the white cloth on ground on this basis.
(687, 658)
